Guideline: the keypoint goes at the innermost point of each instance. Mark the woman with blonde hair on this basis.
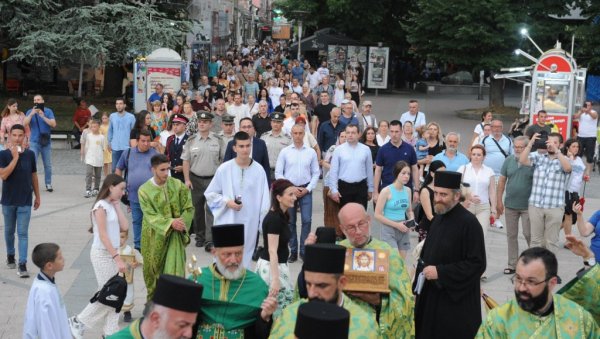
(435, 141)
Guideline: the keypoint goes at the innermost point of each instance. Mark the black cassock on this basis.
(450, 307)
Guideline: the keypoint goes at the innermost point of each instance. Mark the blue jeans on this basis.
(16, 217)
(305, 204)
(46, 159)
(116, 155)
(136, 220)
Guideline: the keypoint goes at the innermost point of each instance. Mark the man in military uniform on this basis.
(201, 158)
(276, 140)
(227, 131)
(175, 144)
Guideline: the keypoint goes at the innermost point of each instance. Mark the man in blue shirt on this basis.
(497, 147)
(157, 95)
(387, 157)
(330, 130)
(41, 120)
(119, 130)
(136, 161)
(19, 172)
(451, 157)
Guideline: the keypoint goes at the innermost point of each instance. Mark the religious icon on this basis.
(363, 260)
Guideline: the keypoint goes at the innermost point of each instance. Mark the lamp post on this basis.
(299, 15)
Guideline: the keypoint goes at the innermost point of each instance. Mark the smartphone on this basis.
(410, 223)
(39, 106)
(238, 199)
(19, 149)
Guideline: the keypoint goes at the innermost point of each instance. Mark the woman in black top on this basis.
(369, 138)
(426, 198)
(272, 265)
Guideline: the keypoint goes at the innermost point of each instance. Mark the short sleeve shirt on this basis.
(274, 223)
(17, 189)
(519, 179)
(389, 155)
(595, 242)
(548, 189)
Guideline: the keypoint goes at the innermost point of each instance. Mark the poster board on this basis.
(367, 270)
(336, 59)
(378, 67)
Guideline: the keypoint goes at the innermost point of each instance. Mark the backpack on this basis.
(113, 293)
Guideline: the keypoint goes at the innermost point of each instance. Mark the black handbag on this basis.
(125, 197)
(44, 139)
(113, 293)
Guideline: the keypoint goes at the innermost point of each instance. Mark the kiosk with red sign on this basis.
(553, 83)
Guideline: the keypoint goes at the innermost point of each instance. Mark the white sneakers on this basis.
(77, 328)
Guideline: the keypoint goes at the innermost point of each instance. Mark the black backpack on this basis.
(112, 293)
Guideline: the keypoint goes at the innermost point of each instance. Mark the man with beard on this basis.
(323, 273)
(547, 199)
(170, 315)
(235, 302)
(452, 261)
(395, 310)
(451, 157)
(535, 312)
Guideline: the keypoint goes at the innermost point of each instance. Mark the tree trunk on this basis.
(80, 78)
(496, 91)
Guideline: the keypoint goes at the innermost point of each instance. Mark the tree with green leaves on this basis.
(476, 35)
(52, 32)
(587, 35)
(368, 21)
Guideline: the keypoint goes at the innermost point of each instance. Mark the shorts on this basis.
(570, 198)
(587, 147)
(395, 238)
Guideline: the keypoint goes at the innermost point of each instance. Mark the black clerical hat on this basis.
(324, 258)
(325, 235)
(178, 293)
(228, 235)
(317, 319)
(447, 179)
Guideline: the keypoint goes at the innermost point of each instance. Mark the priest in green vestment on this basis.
(584, 289)
(168, 211)
(535, 312)
(235, 301)
(171, 313)
(395, 310)
(323, 274)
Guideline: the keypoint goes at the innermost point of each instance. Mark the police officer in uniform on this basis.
(276, 140)
(201, 158)
(175, 144)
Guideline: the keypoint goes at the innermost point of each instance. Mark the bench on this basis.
(66, 135)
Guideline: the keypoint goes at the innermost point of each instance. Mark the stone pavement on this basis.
(64, 218)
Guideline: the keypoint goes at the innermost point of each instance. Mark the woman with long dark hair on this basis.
(369, 138)
(426, 198)
(108, 220)
(272, 266)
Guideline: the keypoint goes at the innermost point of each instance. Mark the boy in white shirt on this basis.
(46, 315)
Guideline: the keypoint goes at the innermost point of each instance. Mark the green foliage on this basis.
(587, 43)
(50, 32)
(483, 34)
(368, 21)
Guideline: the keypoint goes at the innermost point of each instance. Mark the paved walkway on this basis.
(64, 218)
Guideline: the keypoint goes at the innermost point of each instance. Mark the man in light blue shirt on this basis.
(497, 147)
(451, 157)
(298, 163)
(119, 130)
(351, 173)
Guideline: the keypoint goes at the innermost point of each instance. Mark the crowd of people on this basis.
(242, 156)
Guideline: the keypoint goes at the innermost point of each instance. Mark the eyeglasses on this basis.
(528, 283)
(361, 225)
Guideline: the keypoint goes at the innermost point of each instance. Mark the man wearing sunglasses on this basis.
(536, 312)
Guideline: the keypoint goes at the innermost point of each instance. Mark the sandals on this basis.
(509, 270)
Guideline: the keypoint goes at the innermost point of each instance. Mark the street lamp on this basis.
(299, 14)
(525, 33)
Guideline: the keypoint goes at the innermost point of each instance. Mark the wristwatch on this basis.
(590, 262)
